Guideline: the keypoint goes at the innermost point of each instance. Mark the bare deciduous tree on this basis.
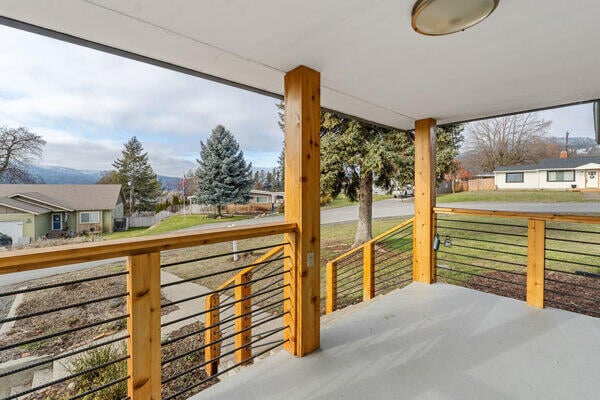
(506, 140)
(18, 146)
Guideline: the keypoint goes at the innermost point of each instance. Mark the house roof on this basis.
(553, 163)
(23, 206)
(526, 55)
(67, 197)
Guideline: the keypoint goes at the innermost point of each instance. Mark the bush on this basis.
(91, 380)
(281, 208)
(326, 200)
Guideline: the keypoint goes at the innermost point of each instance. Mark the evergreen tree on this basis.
(223, 175)
(140, 184)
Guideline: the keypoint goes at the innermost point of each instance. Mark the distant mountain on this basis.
(63, 175)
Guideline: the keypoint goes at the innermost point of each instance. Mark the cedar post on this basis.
(331, 287)
(536, 259)
(368, 270)
(143, 325)
(243, 305)
(302, 174)
(425, 179)
(211, 335)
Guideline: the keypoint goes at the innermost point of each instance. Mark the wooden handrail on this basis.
(30, 259)
(578, 218)
(259, 261)
(375, 239)
(368, 250)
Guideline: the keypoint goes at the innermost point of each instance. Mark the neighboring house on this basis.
(581, 173)
(31, 211)
(265, 197)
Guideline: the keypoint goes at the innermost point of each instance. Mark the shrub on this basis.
(326, 200)
(281, 208)
(93, 379)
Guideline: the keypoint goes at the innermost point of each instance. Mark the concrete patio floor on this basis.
(435, 342)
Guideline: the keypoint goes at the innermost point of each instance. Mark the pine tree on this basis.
(140, 184)
(223, 175)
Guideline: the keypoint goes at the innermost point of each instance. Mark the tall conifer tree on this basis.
(223, 175)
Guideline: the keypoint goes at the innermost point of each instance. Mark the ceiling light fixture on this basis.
(442, 17)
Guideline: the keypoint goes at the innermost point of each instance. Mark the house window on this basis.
(514, 177)
(262, 199)
(89, 217)
(561, 176)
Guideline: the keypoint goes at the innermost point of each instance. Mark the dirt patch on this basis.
(182, 364)
(580, 294)
(70, 318)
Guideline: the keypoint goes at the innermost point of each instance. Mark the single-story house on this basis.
(551, 174)
(31, 211)
(265, 197)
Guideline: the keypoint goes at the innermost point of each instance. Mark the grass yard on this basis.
(512, 196)
(343, 201)
(171, 224)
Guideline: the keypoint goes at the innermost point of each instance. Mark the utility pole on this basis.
(567, 142)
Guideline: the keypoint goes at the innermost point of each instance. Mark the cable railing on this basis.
(546, 259)
(239, 320)
(162, 316)
(375, 267)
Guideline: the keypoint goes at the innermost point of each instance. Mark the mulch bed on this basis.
(580, 294)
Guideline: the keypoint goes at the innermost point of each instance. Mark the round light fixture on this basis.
(442, 17)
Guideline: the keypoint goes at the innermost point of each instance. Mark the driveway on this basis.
(381, 209)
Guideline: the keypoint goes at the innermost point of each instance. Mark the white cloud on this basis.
(87, 103)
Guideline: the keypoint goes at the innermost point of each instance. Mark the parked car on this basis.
(5, 240)
(406, 191)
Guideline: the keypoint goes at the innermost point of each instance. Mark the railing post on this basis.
(368, 270)
(243, 305)
(211, 335)
(331, 287)
(536, 259)
(302, 103)
(425, 180)
(143, 325)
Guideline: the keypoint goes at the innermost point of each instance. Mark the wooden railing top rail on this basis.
(30, 259)
(577, 218)
(376, 238)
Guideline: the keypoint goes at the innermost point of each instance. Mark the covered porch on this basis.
(434, 342)
(426, 340)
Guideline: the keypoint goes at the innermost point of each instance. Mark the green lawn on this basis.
(343, 201)
(512, 196)
(171, 224)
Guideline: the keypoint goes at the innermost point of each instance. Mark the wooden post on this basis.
(331, 287)
(302, 174)
(212, 352)
(143, 325)
(423, 231)
(242, 337)
(368, 270)
(536, 259)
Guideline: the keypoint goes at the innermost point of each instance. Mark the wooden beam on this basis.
(331, 287)
(212, 334)
(302, 174)
(368, 270)
(243, 305)
(578, 218)
(425, 179)
(536, 259)
(143, 325)
(30, 259)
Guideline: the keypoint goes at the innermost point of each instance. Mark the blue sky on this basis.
(86, 104)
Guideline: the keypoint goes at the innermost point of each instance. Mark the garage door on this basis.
(14, 229)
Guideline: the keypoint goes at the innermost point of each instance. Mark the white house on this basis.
(551, 174)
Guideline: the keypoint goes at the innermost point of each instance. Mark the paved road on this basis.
(381, 209)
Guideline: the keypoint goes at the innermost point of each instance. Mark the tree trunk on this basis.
(219, 211)
(365, 209)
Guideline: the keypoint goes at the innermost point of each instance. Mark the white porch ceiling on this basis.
(527, 55)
